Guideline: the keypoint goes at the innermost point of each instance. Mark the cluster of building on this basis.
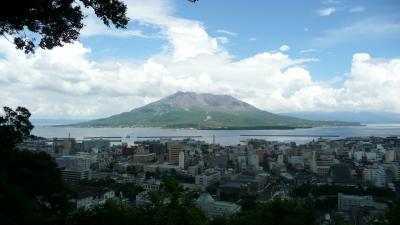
(224, 174)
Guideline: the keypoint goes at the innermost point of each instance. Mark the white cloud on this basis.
(357, 9)
(64, 82)
(252, 39)
(284, 48)
(227, 32)
(309, 50)
(186, 38)
(326, 11)
(93, 27)
(364, 29)
(374, 83)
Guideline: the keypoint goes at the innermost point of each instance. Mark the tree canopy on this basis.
(277, 212)
(31, 188)
(14, 126)
(51, 23)
(54, 22)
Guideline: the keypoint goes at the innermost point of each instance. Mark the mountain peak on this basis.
(202, 110)
(188, 100)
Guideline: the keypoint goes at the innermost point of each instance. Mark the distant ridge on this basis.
(360, 117)
(204, 111)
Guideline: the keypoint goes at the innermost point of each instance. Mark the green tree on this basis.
(248, 202)
(106, 214)
(54, 22)
(219, 220)
(391, 215)
(31, 188)
(277, 212)
(171, 205)
(14, 126)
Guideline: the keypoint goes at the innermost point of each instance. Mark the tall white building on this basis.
(207, 178)
(375, 174)
(248, 161)
(74, 162)
(369, 156)
(75, 167)
(389, 156)
(253, 161)
(280, 159)
(242, 162)
(182, 160)
(322, 164)
(358, 155)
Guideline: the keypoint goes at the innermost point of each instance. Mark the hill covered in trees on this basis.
(204, 111)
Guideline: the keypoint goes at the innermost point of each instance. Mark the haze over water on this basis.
(223, 137)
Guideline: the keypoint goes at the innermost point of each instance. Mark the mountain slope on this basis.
(204, 111)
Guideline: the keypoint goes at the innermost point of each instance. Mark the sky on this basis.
(280, 56)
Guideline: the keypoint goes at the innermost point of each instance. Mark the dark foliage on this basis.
(54, 22)
(277, 212)
(248, 202)
(391, 216)
(31, 189)
(109, 213)
(14, 126)
(171, 206)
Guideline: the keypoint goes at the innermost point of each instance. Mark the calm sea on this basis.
(223, 137)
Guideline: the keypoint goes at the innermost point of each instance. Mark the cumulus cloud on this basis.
(326, 11)
(186, 38)
(374, 83)
(93, 27)
(65, 82)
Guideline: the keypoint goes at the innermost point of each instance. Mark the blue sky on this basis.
(281, 56)
(274, 23)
